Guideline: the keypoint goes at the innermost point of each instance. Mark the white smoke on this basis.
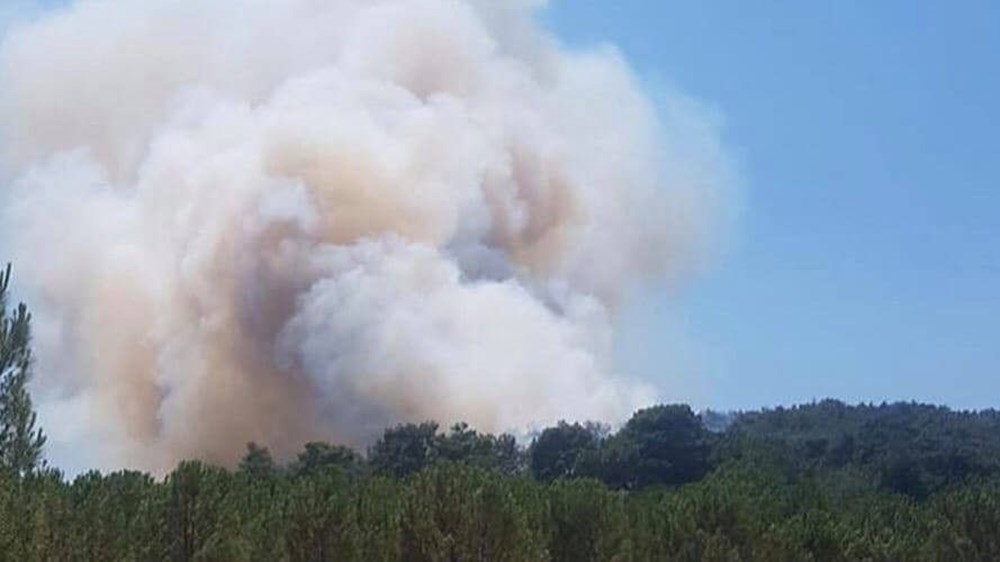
(283, 220)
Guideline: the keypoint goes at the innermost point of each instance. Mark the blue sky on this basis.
(866, 263)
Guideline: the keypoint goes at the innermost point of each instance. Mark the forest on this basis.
(824, 481)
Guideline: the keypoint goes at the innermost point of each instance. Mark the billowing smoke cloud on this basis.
(283, 220)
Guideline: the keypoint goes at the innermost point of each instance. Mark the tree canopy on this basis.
(21, 442)
(824, 481)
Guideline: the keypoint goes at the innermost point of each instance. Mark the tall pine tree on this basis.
(21, 443)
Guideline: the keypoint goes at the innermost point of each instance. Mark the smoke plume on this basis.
(285, 220)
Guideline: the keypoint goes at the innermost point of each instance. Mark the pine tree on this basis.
(21, 443)
(258, 462)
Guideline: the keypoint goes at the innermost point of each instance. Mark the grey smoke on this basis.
(284, 220)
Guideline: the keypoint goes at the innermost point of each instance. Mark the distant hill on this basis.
(909, 448)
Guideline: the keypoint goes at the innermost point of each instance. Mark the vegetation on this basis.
(20, 442)
(821, 482)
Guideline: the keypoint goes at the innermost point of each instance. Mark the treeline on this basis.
(816, 482)
(819, 482)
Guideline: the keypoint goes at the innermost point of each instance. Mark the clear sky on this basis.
(866, 264)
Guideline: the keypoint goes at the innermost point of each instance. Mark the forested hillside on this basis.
(822, 481)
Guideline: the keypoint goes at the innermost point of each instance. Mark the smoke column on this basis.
(285, 220)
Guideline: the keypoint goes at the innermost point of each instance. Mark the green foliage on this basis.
(320, 458)
(819, 482)
(558, 452)
(21, 443)
(258, 462)
(409, 448)
(756, 504)
(464, 445)
(910, 449)
(669, 446)
(405, 449)
(459, 512)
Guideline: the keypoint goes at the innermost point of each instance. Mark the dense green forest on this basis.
(824, 481)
